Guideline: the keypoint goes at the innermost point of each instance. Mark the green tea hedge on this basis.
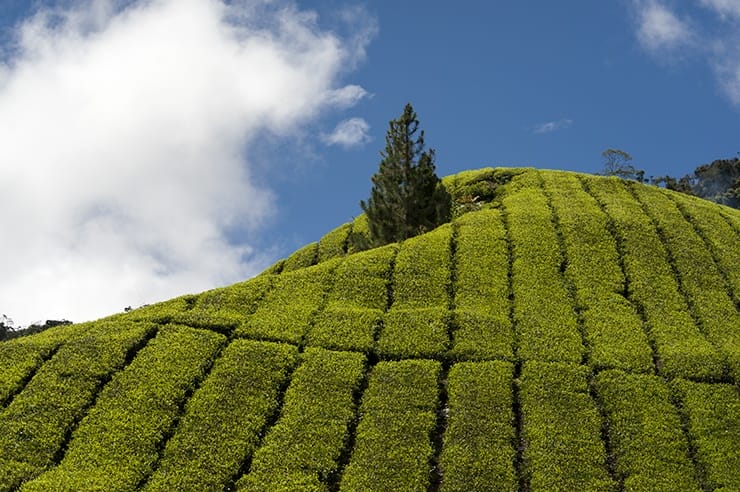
(613, 329)
(58, 395)
(561, 430)
(477, 454)
(682, 349)
(544, 314)
(393, 447)
(483, 328)
(645, 431)
(302, 450)
(224, 419)
(116, 445)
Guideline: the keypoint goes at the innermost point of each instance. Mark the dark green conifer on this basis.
(407, 197)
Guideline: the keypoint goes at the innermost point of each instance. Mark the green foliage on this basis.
(85, 407)
(718, 235)
(480, 337)
(359, 236)
(422, 275)
(362, 279)
(472, 190)
(619, 163)
(334, 244)
(484, 329)
(304, 257)
(477, 454)
(393, 449)
(355, 303)
(713, 414)
(414, 333)
(700, 278)
(645, 433)
(161, 312)
(225, 308)
(275, 269)
(224, 419)
(304, 446)
(407, 197)
(19, 358)
(116, 444)
(543, 310)
(345, 328)
(286, 311)
(58, 396)
(682, 349)
(562, 428)
(613, 329)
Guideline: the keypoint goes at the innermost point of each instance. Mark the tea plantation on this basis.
(565, 332)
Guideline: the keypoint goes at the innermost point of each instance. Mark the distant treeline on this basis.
(8, 330)
(718, 182)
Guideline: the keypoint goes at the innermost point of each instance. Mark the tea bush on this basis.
(333, 244)
(483, 328)
(393, 448)
(116, 444)
(682, 349)
(719, 236)
(224, 419)
(340, 328)
(477, 453)
(304, 446)
(58, 396)
(284, 314)
(414, 333)
(544, 314)
(304, 257)
(562, 429)
(645, 432)
(713, 414)
(700, 278)
(422, 275)
(612, 327)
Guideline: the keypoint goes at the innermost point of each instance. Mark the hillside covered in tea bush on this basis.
(563, 332)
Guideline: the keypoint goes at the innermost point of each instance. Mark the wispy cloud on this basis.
(552, 126)
(349, 133)
(659, 29)
(346, 96)
(726, 9)
(125, 127)
(667, 36)
(725, 46)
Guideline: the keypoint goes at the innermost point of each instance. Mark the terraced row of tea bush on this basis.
(572, 333)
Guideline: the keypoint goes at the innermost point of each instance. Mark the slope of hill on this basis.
(568, 332)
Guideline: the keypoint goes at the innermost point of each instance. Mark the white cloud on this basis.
(552, 126)
(124, 128)
(659, 29)
(726, 9)
(724, 44)
(346, 96)
(726, 65)
(665, 36)
(349, 133)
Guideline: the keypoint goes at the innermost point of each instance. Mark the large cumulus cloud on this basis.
(125, 130)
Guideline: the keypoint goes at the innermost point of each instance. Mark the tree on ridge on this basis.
(407, 197)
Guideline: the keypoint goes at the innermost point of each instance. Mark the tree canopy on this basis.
(407, 197)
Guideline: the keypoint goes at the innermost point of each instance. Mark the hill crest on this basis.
(567, 332)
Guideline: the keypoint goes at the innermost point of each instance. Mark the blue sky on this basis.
(163, 147)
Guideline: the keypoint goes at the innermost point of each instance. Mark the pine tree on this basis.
(407, 197)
